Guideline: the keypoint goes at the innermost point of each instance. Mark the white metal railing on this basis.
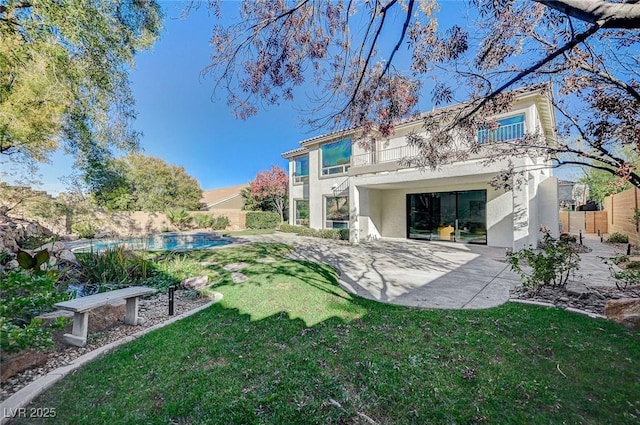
(502, 133)
(384, 155)
(342, 187)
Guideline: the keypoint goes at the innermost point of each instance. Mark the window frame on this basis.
(295, 212)
(325, 212)
(340, 169)
(300, 178)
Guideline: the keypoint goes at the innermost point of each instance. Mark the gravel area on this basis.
(152, 311)
(592, 299)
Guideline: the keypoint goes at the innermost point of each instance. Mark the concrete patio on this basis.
(431, 274)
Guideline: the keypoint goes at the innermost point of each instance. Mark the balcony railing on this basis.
(502, 134)
(384, 155)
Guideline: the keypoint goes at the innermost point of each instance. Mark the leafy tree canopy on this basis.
(585, 51)
(64, 75)
(141, 183)
(272, 187)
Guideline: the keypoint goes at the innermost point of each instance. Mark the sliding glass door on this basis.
(450, 216)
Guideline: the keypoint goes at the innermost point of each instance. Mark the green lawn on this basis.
(288, 346)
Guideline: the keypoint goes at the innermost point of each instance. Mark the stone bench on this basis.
(82, 306)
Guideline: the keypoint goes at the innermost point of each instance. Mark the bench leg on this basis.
(131, 316)
(78, 335)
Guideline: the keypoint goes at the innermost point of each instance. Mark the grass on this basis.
(289, 346)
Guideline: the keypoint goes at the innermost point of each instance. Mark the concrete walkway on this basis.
(593, 271)
(430, 274)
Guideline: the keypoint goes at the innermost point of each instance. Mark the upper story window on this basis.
(510, 128)
(336, 157)
(301, 169)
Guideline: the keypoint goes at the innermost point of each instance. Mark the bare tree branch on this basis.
(533, 68)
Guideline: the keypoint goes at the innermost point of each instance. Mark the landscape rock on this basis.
(578, 291)
(625, 311)
(195, 283)
(238, 277)
(13, 231)
(234, 267)
(67, 255)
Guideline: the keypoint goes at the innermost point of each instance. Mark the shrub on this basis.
(220, 223)
(179, 217)
(262, 220)
(632, 265)
(626, 277)
(35, 241)
(171, 268)
(288, 228)
(203, 221)
(618, 238)
(25, 295)
(551, 264)
(338, 234)
(85, 229)
(568, 238)
(111, 268)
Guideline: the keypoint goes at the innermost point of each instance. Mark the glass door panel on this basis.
(423, 210)
(472, 217)
(448, 216)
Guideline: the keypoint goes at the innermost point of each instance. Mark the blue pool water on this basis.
(157, 242)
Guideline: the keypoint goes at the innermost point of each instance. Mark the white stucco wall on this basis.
(378, 196)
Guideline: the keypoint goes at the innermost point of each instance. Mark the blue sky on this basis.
(184, 125)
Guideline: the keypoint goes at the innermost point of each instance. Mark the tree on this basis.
(251, 203)
(587, 50)
(64, 76)
(142, 183)
(602, 184)
(273, 186)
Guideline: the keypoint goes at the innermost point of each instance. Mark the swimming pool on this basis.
(157, 242)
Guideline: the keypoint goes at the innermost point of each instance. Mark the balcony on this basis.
(502, 134)
(383, 156)
(389, 159)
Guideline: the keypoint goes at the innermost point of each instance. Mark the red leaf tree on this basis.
(272, 186)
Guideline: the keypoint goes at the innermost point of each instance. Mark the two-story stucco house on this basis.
(335, 183)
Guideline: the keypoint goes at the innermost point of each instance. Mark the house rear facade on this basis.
(335, 183)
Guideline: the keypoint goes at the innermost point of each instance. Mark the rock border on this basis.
(27, 394)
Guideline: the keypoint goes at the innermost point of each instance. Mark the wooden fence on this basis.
(621, 208)
(574, 222)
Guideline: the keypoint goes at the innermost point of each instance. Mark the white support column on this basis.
(131, 316)
(521, 232)
(354, 214)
